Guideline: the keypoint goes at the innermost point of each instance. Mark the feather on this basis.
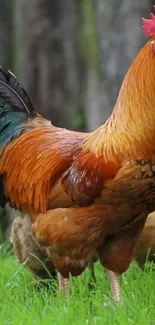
(13, 93)
(15, 108)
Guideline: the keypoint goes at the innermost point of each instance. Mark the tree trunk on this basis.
(47, 56)
(89, 68)
(5, 33)
(120, 38)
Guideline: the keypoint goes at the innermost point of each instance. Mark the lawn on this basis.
(22, 302)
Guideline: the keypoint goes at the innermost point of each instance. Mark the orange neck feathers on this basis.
(130, 131)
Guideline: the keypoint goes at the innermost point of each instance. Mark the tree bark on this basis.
(120, 38)
(47, 56)
(5, 33)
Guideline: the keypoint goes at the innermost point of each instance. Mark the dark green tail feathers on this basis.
(15, 107)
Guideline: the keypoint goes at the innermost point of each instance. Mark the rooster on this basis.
(88, 195)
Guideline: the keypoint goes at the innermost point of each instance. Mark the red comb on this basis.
(148, 25)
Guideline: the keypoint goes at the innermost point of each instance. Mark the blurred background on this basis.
(71, 56)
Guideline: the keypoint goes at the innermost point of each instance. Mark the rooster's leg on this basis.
(63, 285)
(114, 284)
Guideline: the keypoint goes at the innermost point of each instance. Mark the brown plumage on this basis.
(79, 235)
(146, 245)
(88, 195)
(28, 250)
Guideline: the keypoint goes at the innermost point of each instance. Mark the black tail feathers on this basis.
(14, 94)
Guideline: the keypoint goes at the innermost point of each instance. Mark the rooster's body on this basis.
(88, 195)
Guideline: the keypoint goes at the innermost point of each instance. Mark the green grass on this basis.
(22, 302)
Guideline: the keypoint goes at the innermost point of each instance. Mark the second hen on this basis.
(28, 251)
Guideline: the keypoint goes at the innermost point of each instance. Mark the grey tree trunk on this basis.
(47, 60)
(5, 33)
(120, 38)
